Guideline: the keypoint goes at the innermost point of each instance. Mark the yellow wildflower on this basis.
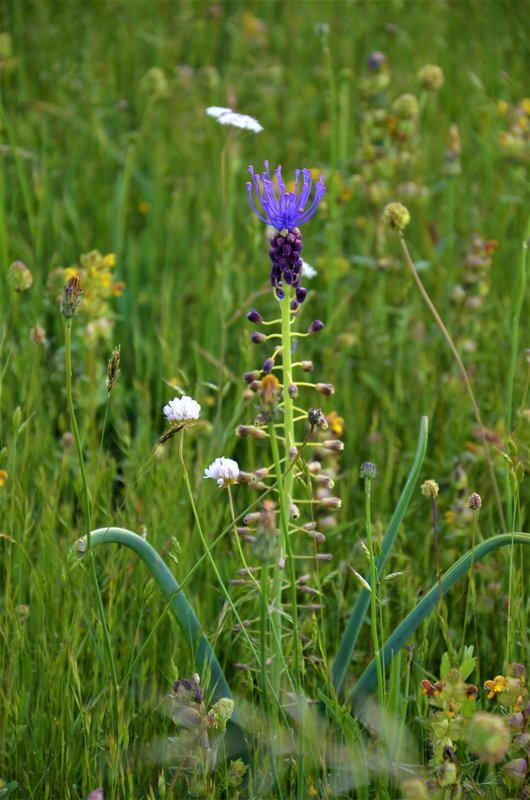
(496, 686)
(336, 423)
(502, 107)
(525, 105)
(3, 477)
(110, 260)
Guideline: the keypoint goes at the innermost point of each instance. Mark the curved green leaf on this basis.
(203, 655)
(395, 642)
(351, 633)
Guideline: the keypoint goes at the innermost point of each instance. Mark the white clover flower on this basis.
(223, 470)
(307, 270)
(226, 116)
(182, 409)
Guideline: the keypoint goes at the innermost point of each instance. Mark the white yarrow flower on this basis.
(182, 409)
(223, 470)
(225, 116)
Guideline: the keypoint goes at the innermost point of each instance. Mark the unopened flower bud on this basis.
(474, 502)
(331, 502)
(250, 377)
(294, 511)
(431, 77)
(396, 217)
(368, 470)
(324, 556)
(254, 316)
(261, 473)
(315, 326)
(316, 536)
(430, 489)
(314, 467)
(515, 771)
(71, 297)
(307, 366)
(257, 337)
(325, 388)
(325, 480)
(301, 294)
(333, 444)
(293, 390)
(19, 276)
(293, 453)
(406, 106)
(268, 364)
(250, 431)
(252, 518)
(488, 737)
(38, 334)
(316, 418)
(255, 386)
(294, 305)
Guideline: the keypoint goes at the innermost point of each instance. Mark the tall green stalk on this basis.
(86, 494)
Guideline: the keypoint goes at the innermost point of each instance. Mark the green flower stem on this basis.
(412, 621)
(351, 633)
(519, 295)
(86, 493)
(471, 581)
(373, 594)
(213, 565)
(286, 491)
(463, 373)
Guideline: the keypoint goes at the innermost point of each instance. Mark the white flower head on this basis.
(307, 270)
(182, 409)
(223, 470)
(225, 116)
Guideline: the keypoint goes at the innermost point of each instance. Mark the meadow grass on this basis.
(105, 145)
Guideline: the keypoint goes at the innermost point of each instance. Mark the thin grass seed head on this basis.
(285, 211)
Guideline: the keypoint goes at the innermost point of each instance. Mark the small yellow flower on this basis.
(523, 123)
(70, 272)
(3, 477)
(496, 686)
(336, 423)
(110, 260)
(525, 105)
(502, 107)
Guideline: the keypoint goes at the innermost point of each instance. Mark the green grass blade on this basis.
(350, 635)
(404, 631)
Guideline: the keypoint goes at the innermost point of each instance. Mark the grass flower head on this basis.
(223, 470)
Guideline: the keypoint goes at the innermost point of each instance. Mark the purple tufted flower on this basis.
(285, 211)
(290, 209)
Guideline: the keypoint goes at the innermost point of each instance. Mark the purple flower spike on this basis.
(289, 209)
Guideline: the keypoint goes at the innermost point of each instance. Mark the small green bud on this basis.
(221, 712)
(368, 470)
(396, 217)
(431, 77)
(430, 489)
(488, 737)
(406, 106)
(19, 277)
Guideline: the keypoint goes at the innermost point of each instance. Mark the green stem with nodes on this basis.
(373, 593)
(463, 372)
(86, 493)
